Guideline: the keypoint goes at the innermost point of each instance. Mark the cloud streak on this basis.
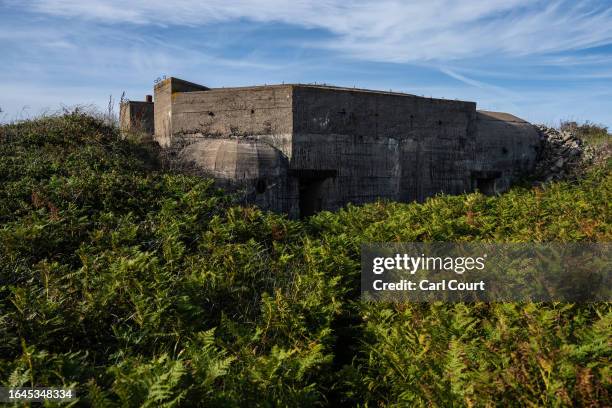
(387, 30)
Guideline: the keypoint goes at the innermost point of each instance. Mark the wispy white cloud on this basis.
(500, 92)
(381, 30)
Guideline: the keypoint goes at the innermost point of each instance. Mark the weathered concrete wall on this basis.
(136, 117)
(383, 145)
(505, 149)
(264, 113)
(164, 92)
(257, 170)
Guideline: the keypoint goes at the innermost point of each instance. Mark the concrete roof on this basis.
(334, 88)
(501, 116)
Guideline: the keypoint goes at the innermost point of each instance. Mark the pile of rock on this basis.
(561, 154)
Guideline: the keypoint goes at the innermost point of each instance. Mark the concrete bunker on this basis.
(300, 149)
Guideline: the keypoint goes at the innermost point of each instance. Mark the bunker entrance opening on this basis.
(311, 198)
(311, 190)
(485, 182)
(486, 185)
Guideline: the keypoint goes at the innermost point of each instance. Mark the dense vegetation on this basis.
(143, 287)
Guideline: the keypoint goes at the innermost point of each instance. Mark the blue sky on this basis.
(544, 61)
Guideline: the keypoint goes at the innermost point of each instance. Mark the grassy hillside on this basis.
(142, 287)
